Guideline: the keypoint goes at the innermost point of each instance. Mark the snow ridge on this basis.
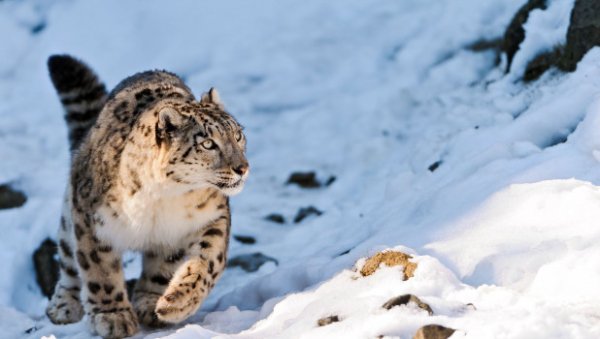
(504, 227)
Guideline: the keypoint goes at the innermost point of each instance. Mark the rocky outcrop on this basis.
(434, 332)
(304, 179)
(389, 258)
(405, 300)
(541, 63)
(250, 262)
(308, 180)
(328, 320)
(11, 198)
(245, 239)
(583, 34)
(46, 266)
(276, 218)
(515, 33)
(306, 212)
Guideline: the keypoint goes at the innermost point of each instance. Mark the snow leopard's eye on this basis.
(238, 136)
(208, 144)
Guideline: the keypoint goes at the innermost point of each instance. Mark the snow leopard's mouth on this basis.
(230, 186)
(234, 185)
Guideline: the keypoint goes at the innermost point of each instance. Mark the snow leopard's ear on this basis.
(169, 120)
(211, 98)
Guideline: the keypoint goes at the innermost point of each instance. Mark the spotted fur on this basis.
(81, 93)
(153, 173)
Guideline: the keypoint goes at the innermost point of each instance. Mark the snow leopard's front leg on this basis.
(103, 289)
(194, 279)
(157, 270)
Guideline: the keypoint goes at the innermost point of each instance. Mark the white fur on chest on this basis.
(148, 220)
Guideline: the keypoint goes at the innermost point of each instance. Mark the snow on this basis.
(373, 94)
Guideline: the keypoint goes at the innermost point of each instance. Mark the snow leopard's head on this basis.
(201, 144)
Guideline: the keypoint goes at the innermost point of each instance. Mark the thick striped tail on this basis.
(81, 92)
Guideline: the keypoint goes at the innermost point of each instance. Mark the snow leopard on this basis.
(152, 170)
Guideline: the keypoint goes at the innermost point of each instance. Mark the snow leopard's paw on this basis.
(118, 324)
(64, 307)
(179, 302)
(145, 305)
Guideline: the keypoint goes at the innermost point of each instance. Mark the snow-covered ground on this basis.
(372, 93)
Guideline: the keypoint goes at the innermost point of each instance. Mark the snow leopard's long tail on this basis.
(81, 92)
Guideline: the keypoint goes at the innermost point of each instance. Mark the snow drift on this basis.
(490, 183)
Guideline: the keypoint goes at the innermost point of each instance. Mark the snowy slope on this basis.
(372, 93)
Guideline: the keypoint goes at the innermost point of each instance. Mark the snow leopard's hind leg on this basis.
(65, 305)
(83, 96)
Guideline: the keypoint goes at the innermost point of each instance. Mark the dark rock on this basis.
(433, 332)
(494, 45)
(304, 179)
(330, 180)
(277, 218)
(129, 286)
(245, 239)
(541, 63)
(46, 267)
(328, 320)
(250, 262)
(305, 212)
(515, 34)
(583, 33)
(11, 198)
(404, 300)
(344, 253)
(434, 166)
(31, 330)
(38, 28)
(486, 45)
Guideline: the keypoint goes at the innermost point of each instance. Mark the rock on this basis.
(38, 28)
(277, 218)
(330, 180)
(328, 320)
(515, 34)
(433, 332)
(344, 252)
(245, 239)
(389, 258)
(129, 286)
(541, 63)
(486, 45)
(434, 166)
(46, 267)
(250, 262)
(404, 300)
(11, 198)
(31, 330)
(304, 179)
(583, 33)
(494, 45)
(305, 212)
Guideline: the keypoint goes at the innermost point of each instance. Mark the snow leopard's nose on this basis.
(241, 169)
